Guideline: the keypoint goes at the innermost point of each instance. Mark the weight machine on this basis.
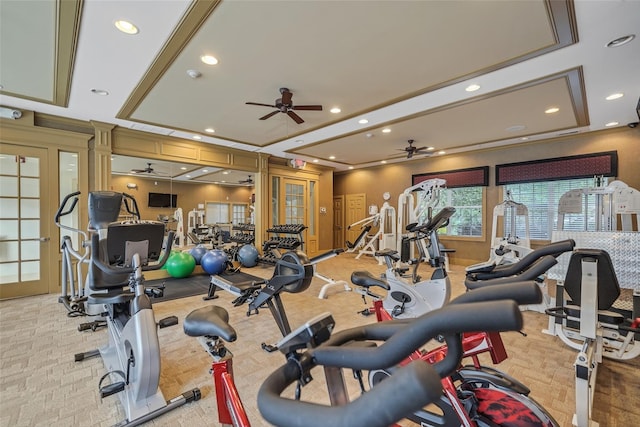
(416, 209)
(385, 237)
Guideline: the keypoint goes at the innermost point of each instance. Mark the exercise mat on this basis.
(180, 288)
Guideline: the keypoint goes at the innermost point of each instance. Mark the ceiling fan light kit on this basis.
(285, 105)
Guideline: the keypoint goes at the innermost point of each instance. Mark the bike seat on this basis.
(210, 321)
(366, 280)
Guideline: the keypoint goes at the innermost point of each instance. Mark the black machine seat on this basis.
(123, 240)
(367, 280)
(391, 253)
(111, 297)
(210, 321)
(608, 286)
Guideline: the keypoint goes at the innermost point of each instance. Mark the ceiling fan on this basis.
(285, 105)
(149, 170)
(411, 150)
(246, 181)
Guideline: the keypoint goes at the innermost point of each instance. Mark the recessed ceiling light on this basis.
(441, 152)
(315, 160)
(183, 168)
(621, 40)
(100, 92)
(126, 27)
(299, 141)
(196, 137)
(332, 157)
(205, 170)
(363, 121)
(612, 124)
(210, 130)
(209, 60)
(472, 88)
(350, 167)
(430, 148)
(223, 181)
(384, 162)
(335, 110)
(524, 138)
(225, 172)
(552, 110)
(614, 96)
(187, 176)
(386, 130)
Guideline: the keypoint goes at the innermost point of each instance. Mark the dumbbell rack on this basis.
(272, 247)
(245, 234)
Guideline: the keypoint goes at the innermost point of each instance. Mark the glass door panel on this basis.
(24, 226)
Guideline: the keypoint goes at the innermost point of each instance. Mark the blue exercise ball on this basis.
(248, 256)
(214, 261)
(197, 253)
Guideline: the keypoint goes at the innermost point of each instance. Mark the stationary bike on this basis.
(406, 300)
(132, 356)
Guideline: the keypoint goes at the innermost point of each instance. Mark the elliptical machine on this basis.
(132, 356)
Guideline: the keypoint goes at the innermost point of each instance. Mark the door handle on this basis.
(45, 239)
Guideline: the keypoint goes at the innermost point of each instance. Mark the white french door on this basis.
(24, 227)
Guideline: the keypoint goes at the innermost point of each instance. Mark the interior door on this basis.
(338, 222)
(25, 225)
(355, 212)
(293, 209)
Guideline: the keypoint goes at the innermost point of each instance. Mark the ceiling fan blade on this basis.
(273, 113)
(410, 154)
(421, 148)
(261, 105)
(286, 97)
(138, 170)
(308, 107)
(295, 117)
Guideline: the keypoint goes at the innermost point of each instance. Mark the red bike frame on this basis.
(230, 408)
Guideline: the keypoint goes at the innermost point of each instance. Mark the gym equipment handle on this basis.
(407, 390)
(60, 211)
(402, 338)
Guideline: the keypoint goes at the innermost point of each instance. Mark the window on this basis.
(467, 221)
(541, 199)
(239, 214)
(217, 213)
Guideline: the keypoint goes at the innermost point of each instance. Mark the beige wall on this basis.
(189, 195)
(395, 178)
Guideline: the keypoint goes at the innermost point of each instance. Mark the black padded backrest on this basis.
(608, 286)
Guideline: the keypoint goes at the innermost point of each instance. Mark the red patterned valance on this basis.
(583, 166)
(472, 177)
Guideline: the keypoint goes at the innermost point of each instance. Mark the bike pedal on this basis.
(111, 389)
(168, 321)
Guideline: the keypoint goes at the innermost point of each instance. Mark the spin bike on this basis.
(132, 356)
(478, 395)
(405, 389)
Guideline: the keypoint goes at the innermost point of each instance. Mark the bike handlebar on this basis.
(409, 388)
(406, 391)
(60, 212)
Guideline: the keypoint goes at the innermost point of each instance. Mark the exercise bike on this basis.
(132, 356)
(406, 300)
(405, 389)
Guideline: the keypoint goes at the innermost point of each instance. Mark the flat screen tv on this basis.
(163, 200)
